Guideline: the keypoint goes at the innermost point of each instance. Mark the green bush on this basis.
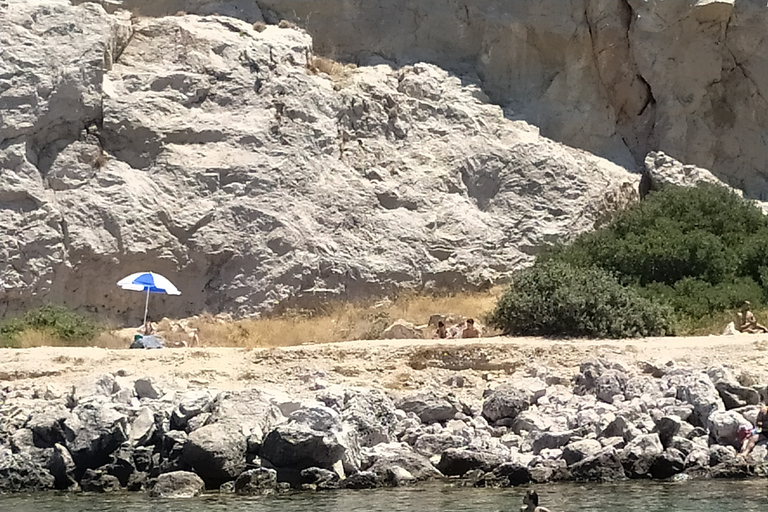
(700, 250)
(58, 321)
(557, 298)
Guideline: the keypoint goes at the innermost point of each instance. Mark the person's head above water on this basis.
(531, 498)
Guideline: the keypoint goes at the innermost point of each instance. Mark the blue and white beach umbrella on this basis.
(148, 282)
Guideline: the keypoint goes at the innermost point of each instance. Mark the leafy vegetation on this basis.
(556, 298)
(696, 251)
(56, 322)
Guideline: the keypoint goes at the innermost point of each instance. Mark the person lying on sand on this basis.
(531, 503)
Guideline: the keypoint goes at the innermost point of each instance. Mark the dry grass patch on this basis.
(341, 321)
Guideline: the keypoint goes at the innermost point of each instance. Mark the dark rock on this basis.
(47, 424)
(395, 476)
(192, 403)
(298, 446)
(551, 440)
(589, 371)
(321, 478)
(19, 473)
(735, 468)
(512, 474)
(685, 446)
(667, 427)
(617, 428)
(603, 467)
(177, 484)
(96, 480)
(62, 467)
(668, 464)
(510, 399)
(138, 481)
(146, 387)
(142, 458)
(609, 384)
(580, 450)
(256, 481)
(361, 480)
(216, 452)
(719, 454)
(93, 432)
(430, 407)
(697, 432)
(121, 465)
(171, 458)
(640, 454)
(456, 462)
(545, 471)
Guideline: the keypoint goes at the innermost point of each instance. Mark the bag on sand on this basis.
(149, 341)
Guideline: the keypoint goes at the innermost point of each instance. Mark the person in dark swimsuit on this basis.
(531, 502)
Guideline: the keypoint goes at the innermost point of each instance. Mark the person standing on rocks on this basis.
(470, 331)
(531, 503)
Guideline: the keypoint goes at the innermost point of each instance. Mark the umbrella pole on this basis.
(146, 307)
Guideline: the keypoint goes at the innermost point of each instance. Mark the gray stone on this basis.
(177, 484)
(580, 450)
(430, 407)
(146, 387)
(382, 457)
(667, 427)
(604, 466)
(19, 473)
(216, 452)
(456, 462)
(95, 480)
(256, 481)
(510, 399)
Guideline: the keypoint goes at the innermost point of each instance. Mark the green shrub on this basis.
(700, 250)
(556, 298)
(57, 321)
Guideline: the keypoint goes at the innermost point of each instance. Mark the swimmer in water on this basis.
(531, 502)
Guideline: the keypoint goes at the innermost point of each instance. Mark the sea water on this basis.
(645, 496)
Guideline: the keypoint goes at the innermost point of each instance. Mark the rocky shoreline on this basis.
(609, 422)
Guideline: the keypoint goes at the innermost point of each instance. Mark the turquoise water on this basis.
(647, 496)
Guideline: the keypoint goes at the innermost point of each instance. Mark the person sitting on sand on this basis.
(470, 331)
(148, 328)
(531, 502)
(747, 321)
(760, 432)
(442, 332)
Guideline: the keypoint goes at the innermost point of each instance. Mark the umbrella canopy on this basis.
(148, 282)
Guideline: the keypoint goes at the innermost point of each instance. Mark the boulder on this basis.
(146, 387)
(550, 440)
(698, 390)
(509, 474)
(121, 464)
(401, 330)
(640, 454)
(177, 484)
(580, 450)
(430, 407)
(604, 466)
(47, 424)
(724, 427)
(456, 462)
(96, 480)
(216, 452)
(361, 480)
(668, 464)
(298, 446)
(734, 395)
(256, 481)
(62, 467)
(19, 473)
(371, 414)
(430, 445)
(382, 457)
(190, 404)
(142, 428)
(719, 454)
(321, 479)
(609, 384)
(511, 398)
(172, 452)
(251, 411)
(93, 432)
(667, 427)
(397, 477)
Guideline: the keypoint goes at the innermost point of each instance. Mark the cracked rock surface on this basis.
(211, 152)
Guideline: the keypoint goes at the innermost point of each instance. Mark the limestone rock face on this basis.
(616, 77)
(206, 150)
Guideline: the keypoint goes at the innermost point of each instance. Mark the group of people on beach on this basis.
(463, 330)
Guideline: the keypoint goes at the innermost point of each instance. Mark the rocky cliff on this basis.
(255, 174)
(618, 78)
